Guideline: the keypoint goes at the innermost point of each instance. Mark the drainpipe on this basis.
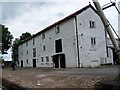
(106, 43)
(77, 42)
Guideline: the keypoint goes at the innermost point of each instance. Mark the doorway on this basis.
(21, 63)
(34, 62)
(58, 45)
(59, 61)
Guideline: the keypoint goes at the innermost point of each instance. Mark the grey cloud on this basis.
(60, 14)
(37, 4)
(13, 9)
(10, 10)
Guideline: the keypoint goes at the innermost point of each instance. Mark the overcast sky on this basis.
(22, 16)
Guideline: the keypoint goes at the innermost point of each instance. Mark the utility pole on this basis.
(107, 28)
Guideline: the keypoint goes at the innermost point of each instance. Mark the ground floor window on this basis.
(42, 59)
(27, 61)
(47, 59)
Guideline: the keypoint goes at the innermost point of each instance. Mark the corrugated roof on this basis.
(62, 20)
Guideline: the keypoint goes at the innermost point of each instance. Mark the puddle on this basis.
(41, 75)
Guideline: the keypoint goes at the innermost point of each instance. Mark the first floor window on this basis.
(21, 53)
(93, 41)
(34, 52)
(27, 52)
(44, 48)
(47, 59)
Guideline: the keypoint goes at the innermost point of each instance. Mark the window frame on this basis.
(27, 43)
(57, 29)
(43, 35)
(93, 41)
(22, 53)
(92, 24)
(44, 48)
(47, 59)
(27, 52)
(27, 61)
(33, 41)
(42, 59)
(34, 52)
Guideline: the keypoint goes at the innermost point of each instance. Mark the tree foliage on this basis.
(17, 42)
(6, 39)
(24, 37)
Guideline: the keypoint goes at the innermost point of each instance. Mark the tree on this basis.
(16, 43)
(24, 37)
(0, 39)
(6, 39)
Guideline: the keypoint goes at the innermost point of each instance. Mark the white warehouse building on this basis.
(78, 40)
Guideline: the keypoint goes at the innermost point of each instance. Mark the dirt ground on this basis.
(50, 78)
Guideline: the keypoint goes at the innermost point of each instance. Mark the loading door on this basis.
(34, 62)
(59, 61)
(58, 45)
(21, 63)
(55, 61)
(62, 61)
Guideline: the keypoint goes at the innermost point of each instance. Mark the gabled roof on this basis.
(62, 20)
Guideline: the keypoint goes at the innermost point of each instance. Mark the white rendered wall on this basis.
(67, 34)
(91, 55)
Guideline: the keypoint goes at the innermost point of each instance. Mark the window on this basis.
(34, 52)
(27, 61)
(26, 43)
(92, 24)
(33, 41)
(27, 52)
(21, 53)
(43, 36)
(42, 59)
(47, 59)
(44, 48)
(93, 41)
(57, 29)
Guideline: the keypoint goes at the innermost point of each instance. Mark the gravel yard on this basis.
(52, 78)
